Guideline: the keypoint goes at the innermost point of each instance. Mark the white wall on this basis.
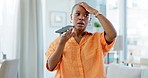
(56, 5)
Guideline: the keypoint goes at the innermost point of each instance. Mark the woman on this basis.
(79, 54)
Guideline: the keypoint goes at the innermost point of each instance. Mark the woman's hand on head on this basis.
(88, 8)
(67, 35)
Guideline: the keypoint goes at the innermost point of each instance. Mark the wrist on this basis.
(62, 43)
(97, 13)
(94, 12)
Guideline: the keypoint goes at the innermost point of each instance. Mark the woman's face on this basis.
(80, 17)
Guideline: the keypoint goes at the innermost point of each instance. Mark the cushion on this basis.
(121, 71)
(144, 73)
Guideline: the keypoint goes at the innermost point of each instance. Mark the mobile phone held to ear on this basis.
(63, 29)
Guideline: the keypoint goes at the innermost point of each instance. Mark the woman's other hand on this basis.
(88, 8)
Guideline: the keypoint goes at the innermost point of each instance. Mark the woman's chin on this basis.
(80, 28)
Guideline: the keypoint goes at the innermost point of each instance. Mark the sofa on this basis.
(122, 71)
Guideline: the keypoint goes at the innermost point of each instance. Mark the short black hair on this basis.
(73, 8)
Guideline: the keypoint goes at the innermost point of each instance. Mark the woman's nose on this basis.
(81, 17)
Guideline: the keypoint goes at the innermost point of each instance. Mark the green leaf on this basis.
(96, 24)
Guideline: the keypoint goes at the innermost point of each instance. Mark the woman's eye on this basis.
(86, 15)
(77, 14)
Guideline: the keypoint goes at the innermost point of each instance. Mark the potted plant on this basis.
(96, 26)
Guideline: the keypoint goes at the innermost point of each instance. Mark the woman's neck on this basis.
(78, 36)
(79, 33)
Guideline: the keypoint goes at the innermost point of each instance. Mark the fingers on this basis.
(87, 7)
(68, 33)
(82, 4)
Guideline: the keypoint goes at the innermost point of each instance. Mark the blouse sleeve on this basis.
(106, 47)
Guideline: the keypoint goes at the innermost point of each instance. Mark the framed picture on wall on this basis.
(58, 18)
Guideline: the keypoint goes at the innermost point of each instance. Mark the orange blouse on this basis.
(83, 60)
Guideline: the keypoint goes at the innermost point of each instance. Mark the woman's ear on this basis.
(70, 18)
(90, 19)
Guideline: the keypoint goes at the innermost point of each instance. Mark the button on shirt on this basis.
(83, 60)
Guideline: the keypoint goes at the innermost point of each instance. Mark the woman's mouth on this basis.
(80, 24)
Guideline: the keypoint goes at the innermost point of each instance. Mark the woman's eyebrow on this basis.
(77, 11)
(87, 12)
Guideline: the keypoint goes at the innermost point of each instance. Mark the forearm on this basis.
(54, 59)
(108, 27)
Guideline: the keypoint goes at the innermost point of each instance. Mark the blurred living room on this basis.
(27, 28)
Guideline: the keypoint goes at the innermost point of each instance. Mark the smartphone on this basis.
(63, 29)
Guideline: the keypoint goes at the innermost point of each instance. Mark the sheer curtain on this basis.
(8, 27)
(29, 37)
(21, 35)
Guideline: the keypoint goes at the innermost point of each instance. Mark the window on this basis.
(112, 12)
(137, 27)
